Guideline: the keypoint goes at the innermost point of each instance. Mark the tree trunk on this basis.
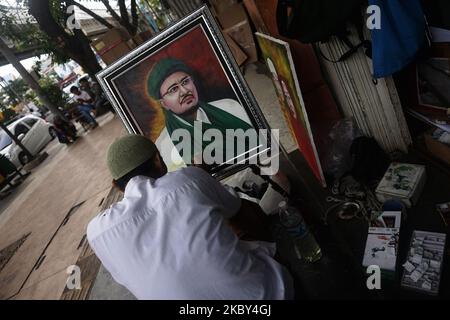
(134, 16)
(89, 61)
(91, 13)
(123, 11)
(74, 46)
(125, 19)
(9, 55)
(111, 11)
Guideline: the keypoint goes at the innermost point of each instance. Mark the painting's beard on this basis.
(190, 113)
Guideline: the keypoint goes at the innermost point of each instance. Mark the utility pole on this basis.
(26, 76)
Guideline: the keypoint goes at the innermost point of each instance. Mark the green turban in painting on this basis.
(160, 71)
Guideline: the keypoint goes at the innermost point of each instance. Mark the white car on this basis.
(33, 132)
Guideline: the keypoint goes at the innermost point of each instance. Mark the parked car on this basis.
(33, 132)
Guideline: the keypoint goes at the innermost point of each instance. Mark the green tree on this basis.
(51, 17)
(16, 90)
(37, 67)
(24, 33)
(13, 92)
(46, 28)
(56, 96)
(162, 18)
(18, 86)
(131, 25)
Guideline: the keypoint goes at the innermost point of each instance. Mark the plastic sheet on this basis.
(338, 160)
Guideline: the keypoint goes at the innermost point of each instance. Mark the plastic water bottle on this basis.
(305, 244)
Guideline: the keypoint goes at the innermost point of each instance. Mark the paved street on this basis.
(40, 207)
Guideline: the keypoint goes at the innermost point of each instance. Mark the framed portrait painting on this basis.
(278, 58)
(184, 90)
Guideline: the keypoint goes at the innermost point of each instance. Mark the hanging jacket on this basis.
(402, 35)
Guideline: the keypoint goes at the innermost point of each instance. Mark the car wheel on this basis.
(52, 132)
(24, 158)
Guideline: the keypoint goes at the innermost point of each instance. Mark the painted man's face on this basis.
(178, 93)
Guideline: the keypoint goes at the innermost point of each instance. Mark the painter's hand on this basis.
(251, 223)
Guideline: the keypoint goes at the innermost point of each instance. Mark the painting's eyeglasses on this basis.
(175, 88)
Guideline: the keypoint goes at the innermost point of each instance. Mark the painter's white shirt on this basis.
(165, 145)
(167, 239)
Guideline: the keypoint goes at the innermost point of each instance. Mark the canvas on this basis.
(278, 58)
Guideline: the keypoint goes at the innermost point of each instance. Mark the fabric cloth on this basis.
(160, 71)
(166, 146)
(218, 119)
(127, 153)
(401, 36)
(65, 130)
(168, 239)
(85, 111)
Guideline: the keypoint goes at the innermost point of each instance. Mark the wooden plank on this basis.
(89, 267)
(87, 261)
(255, 16)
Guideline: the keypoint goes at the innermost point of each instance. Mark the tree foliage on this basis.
(14, 91)
(44, 27)
(52, 91)
(24, 33)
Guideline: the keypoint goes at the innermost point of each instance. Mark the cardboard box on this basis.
(423, 266)
(146, 35)
(112, 45)
(235, 23)
(438, 149)
(237, 52)
(388, 222)
(402, 181)
(233, 15)
(222, 5)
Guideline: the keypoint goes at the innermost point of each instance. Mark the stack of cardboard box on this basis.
(236, 28)
(116, 43)
(112, 45)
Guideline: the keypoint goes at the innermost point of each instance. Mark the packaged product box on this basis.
(234, 22)
(382, 242)
(423, 265)
(112, 45)
(402, 181)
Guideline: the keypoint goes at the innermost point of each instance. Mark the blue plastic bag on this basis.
(402, 34)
